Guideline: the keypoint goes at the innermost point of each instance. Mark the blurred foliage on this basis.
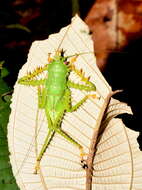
(17, 26)
(7, 181)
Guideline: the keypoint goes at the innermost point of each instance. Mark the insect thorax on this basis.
(57, 77)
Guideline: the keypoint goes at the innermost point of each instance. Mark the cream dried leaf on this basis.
(60, 165)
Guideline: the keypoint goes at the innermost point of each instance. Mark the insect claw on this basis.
(37, 167)
(84, 164)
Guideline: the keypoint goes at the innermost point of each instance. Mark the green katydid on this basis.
(55, 96)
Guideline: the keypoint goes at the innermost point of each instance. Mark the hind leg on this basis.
(45, 145)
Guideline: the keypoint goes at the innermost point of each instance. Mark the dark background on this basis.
(123, 71)
(41, 17)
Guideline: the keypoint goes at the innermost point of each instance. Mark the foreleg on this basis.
(25, 81)
(81, 74)
(35, 73)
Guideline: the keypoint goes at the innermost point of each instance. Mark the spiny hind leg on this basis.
(43, 149)
(70, 108)
(71, 140)
(45, 145)
(57, 124)
(41, 105)
(81, 74)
